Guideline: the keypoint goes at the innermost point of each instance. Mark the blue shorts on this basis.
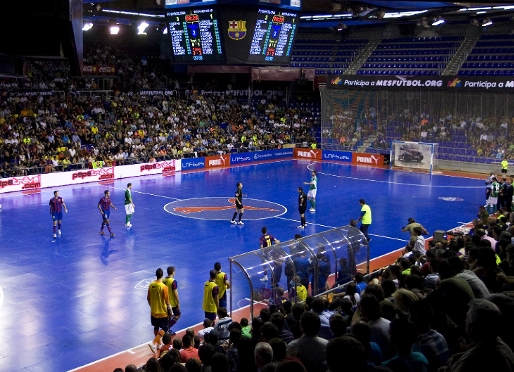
(56, 216)
(106, 214)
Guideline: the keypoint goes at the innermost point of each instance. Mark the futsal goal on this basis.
(413, 155)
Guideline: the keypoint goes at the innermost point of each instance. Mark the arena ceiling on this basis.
(323, 14)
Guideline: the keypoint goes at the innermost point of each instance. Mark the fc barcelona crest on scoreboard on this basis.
(237, 30)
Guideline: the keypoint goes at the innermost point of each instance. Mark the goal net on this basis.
(413, 155)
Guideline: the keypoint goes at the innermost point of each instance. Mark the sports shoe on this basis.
(233, 222)
(301, 227)
(59, 232)
(170, 332)
(152, 347)
(129, 224)
(55, 236)
(101, 233)
(112, 235)
(264, 278)
(240, 223)
(312, 210)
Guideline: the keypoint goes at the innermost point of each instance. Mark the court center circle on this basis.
(222, 208)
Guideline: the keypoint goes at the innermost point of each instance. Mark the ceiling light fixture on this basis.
(114, 30)
(87, 26)
(438, 21)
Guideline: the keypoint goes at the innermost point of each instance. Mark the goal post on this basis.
(413, 155)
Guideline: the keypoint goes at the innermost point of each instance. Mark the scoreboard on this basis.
(273, 37)
(195, 35)
(232, 35)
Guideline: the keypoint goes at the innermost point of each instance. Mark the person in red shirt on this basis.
(188, 351)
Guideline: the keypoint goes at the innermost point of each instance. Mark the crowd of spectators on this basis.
(363, 124)
(449, 308)
(70, 130)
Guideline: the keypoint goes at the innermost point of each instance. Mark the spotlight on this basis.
(438, 21)
(114, 30)
(487, 22)
(87, 26)
(341, 27)
(142, 28)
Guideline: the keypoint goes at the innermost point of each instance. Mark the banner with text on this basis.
(344, 156)
(368, 159)
(446, 83)
(301, 153)
(20, 183)
(193, 163)
(217, 161)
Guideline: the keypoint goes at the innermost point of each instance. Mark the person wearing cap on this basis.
(410, 228)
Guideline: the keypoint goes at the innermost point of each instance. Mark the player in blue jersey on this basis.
(56, 207)
(104, 205)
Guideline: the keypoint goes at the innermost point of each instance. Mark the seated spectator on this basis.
(338, 325)
(429, 342)
(188, 351)
(246, 329)
(506, 306)
(488, 352)
(359, 282)
(222, 324)
(345, 354)
(205, 353)
(402, 335)
(477, 286)
(193, 365)
(269, 331)
(487, 270)
(319, 308)
(379, 327)
(279, 321)
(298, 310)
(166, 345)
(207, 327)
(362, 333)
(264, 356)
(219, 363)
(309, 348)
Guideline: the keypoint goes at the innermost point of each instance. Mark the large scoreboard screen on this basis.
(272, 37)
(195, 36)
(259, 36)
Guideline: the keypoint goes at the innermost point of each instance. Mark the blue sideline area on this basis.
(81, 297)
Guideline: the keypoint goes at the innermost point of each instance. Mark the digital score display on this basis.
(195, 36)
(273, 37)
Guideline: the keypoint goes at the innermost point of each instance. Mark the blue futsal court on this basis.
(69, 301)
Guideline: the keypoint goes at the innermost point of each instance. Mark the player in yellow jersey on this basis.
(172, 285)
(222, 283)
(210, 297)
(159, 302)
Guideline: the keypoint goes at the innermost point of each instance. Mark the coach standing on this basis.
(365, 218)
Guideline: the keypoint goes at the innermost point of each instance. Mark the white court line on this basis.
(397, 183)
(308, 223)
(333, 227)
(147, 193)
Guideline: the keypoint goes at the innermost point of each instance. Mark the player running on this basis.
(56, 207)
(104, 206)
